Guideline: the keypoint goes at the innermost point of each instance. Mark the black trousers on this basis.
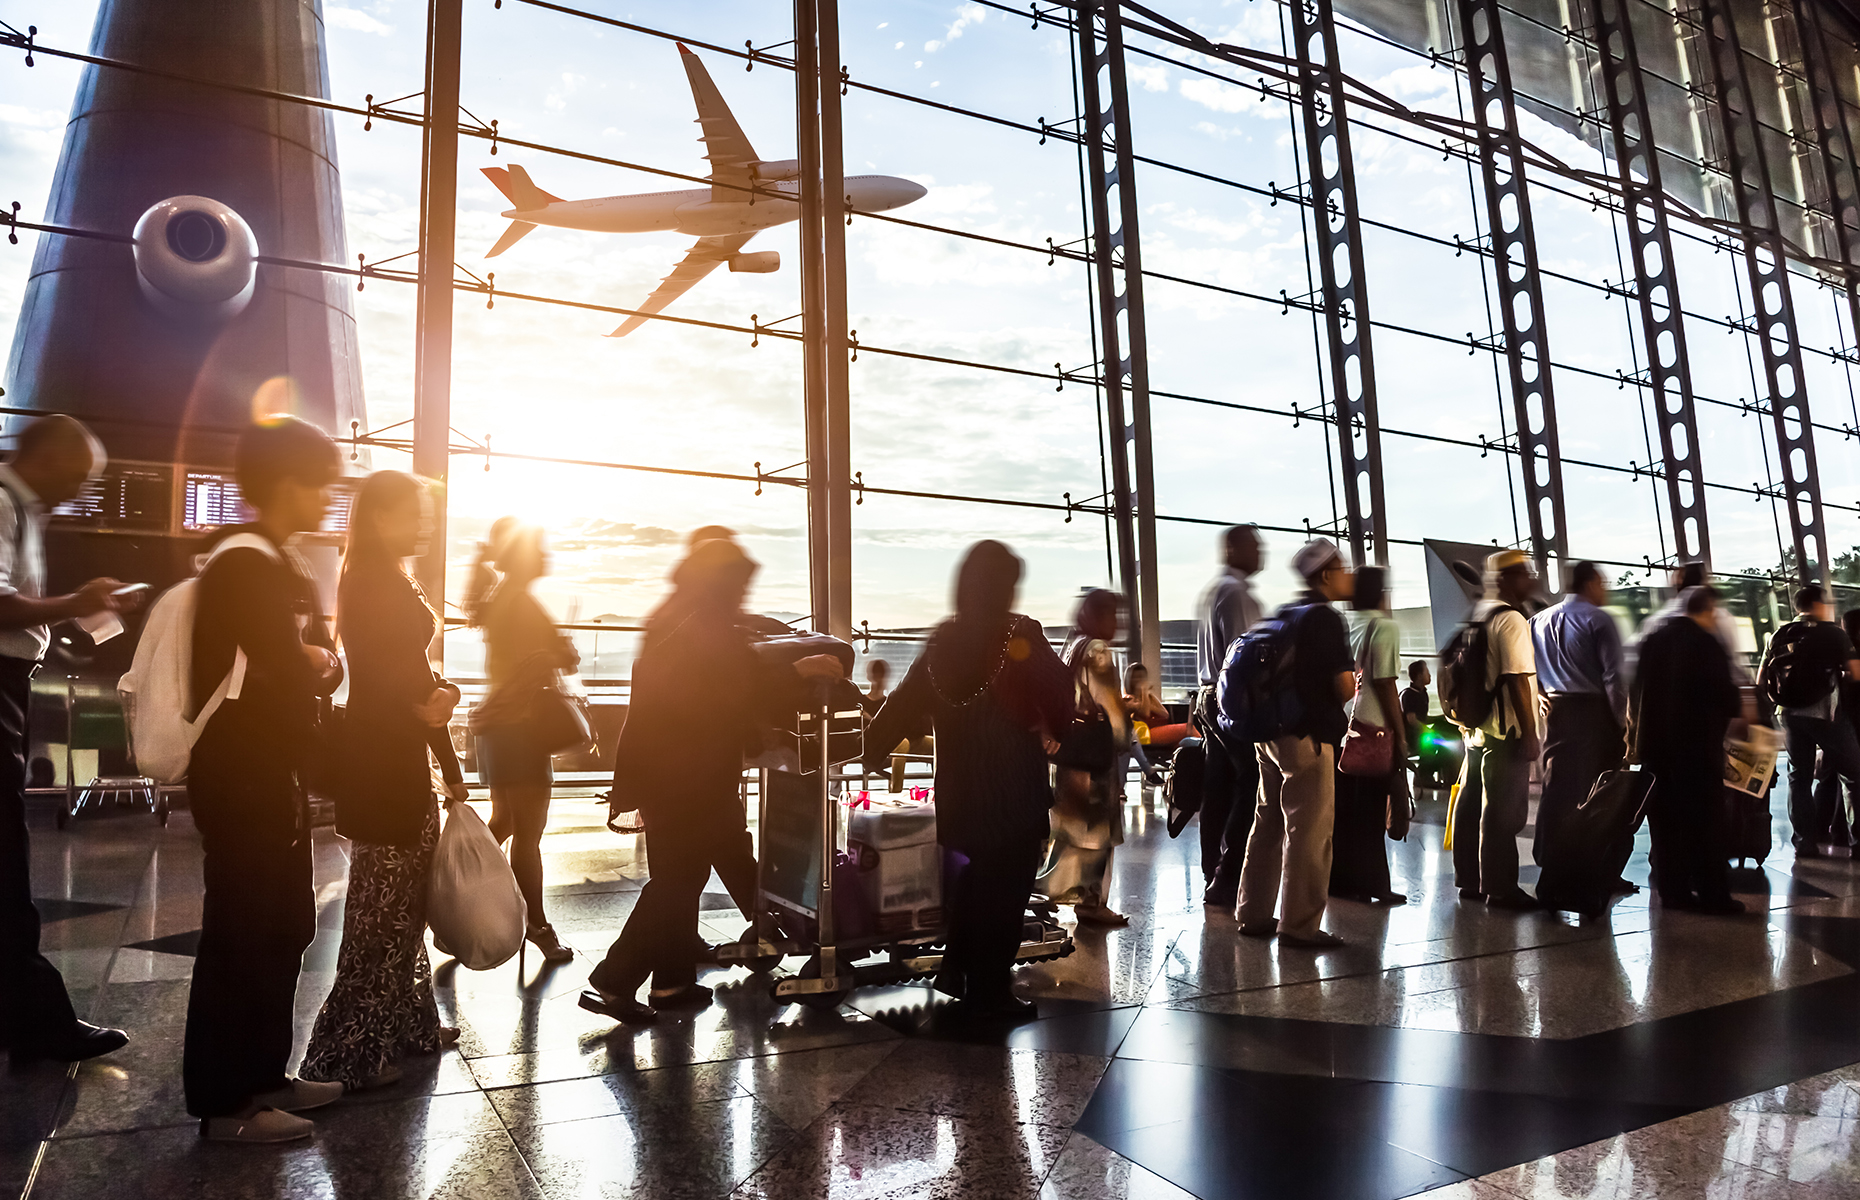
(683, 841)
(1581, 740)
(1359, 861)
(256, 920)
(33, 1005)
(1811, 807)
(987, 906)
(1687, 824)
(1229, 797)
(735, 861)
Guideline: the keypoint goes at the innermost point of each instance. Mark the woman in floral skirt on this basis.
(381, 1006)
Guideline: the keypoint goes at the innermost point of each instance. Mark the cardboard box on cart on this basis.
(900, 864)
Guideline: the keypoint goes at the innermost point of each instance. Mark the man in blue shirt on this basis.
(1579, 668)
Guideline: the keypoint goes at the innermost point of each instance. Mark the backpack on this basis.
(1464, 696)
(1790, 679)
(1256, 696)
(1182, 785)
(157, 690)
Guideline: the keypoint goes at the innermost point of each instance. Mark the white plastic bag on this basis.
(476, 913)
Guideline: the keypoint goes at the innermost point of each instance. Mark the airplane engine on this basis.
(196, 259)
(761, 262)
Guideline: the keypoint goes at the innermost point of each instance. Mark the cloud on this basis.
(596, 533)
(353, 18)
(967, 15)
(557, 99)
(1154, 78)
(35, 132)
(1221, 97)
(1416, 82)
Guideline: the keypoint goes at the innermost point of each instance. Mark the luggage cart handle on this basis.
(829, 837)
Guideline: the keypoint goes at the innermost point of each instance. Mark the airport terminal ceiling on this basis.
(977, 399)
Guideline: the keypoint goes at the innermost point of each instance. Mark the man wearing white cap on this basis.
(1494, 798)
(1290, 843)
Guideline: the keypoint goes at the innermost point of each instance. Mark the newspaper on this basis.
(1749, 764)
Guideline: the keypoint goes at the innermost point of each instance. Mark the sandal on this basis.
(389, 1076)
(691, 995)
(1098, 914)
(624, 1009)
(553, 951)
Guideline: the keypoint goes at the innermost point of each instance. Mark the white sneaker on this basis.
(301, 1095)
(266, 1125)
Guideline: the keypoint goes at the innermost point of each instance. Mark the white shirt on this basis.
(1228, 609)
(1376, 642)
(1509, 651)
(22, 562)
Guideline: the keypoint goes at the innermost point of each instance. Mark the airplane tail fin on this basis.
(511, 237)
(517, 187)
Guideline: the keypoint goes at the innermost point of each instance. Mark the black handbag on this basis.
(1089, 747)
(559, 722)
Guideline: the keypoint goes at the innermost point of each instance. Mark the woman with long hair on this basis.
(995, 693)
(381, 1006)
(1088, 812)
(700, 695)
(523, 651)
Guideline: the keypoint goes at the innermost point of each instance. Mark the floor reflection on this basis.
(1493, 1055)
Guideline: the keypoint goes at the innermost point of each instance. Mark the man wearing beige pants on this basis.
(1291, 838)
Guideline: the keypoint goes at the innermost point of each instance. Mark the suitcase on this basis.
(1746, 826)
(1594, 844)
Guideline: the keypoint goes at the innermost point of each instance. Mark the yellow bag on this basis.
(1453, 802)
(1143, 732)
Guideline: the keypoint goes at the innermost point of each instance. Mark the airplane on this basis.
(723, 216)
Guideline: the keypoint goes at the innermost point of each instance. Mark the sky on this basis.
(540, 379)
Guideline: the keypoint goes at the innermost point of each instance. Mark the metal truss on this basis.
(1346, 296)
(1110, 160)
(432, 369)
(1656, 279)
(1836, 147)
(826, 384)
(1768, 272)
(1514, 263)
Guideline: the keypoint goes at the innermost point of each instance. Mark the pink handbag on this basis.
(1367, 751)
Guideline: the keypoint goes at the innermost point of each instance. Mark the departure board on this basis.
(210, 500)
(132, 497)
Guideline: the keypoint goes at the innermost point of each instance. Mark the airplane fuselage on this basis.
(694, 211)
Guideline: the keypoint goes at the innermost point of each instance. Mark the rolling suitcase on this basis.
(1746, 826)
(1594, 844)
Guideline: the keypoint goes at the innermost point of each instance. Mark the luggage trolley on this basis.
(94, 725)
(806, 910)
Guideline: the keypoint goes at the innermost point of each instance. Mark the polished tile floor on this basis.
(1487, 1055)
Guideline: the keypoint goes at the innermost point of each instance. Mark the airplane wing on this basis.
(725, 145)
(699, 261)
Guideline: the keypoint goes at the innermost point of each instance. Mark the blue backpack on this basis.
(1256, 696)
